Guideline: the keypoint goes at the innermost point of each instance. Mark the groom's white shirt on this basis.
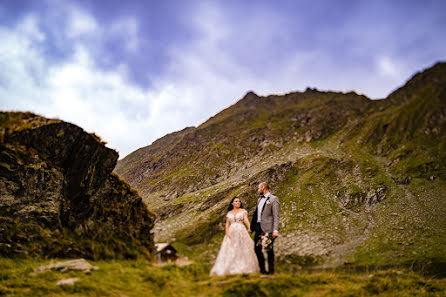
(262, 202)
(260, 206)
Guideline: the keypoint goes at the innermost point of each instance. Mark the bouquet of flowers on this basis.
(266, 241)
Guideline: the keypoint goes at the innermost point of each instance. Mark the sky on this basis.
(132, 71)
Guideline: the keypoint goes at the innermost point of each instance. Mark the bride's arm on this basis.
(245, 218)
(227, 227)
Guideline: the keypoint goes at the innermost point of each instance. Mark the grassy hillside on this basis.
(359, 181)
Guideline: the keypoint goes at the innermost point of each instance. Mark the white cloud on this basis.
(125, 115)
(80, 23)
(21, 64)
(77, 91)
(127, 28)
(387, 67)
(203, 76)
(232, 56)
(29, 28)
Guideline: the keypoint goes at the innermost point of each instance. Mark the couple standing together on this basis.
(236, 254)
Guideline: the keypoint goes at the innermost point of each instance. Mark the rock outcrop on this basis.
(59, 196)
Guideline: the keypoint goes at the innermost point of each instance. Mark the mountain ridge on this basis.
(349, 171)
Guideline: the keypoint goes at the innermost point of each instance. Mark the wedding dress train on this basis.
(236, 254)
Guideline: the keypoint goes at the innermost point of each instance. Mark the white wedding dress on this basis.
(236, 254)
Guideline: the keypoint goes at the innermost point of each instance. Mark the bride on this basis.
(236, 254)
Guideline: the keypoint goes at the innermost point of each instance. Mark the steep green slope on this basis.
(255, 126)
(360, 181)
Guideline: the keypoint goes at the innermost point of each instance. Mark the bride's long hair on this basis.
(231, 207)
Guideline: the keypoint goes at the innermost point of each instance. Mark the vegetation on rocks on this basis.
(60, 198)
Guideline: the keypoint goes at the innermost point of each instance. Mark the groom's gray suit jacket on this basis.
(269, 220)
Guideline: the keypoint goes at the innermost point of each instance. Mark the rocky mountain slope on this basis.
(59, 196)
(360, 181)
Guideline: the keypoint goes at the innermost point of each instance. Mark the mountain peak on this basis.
(250, 98)
(432, 77)
(250, 94)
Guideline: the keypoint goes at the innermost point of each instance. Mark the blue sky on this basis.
(132, 71)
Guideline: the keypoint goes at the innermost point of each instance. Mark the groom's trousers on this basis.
(258, 249)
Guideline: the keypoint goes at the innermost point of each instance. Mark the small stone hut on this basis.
(165, 253)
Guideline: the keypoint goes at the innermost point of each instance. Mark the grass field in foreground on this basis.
(139, 278)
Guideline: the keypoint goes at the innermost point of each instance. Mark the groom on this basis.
(265, 220)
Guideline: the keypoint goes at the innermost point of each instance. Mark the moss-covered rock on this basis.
(59, 196)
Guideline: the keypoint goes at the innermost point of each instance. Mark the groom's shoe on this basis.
(263, 272)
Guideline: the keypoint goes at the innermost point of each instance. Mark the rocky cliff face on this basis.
(360, 181)
(59, 196)
(195, 158)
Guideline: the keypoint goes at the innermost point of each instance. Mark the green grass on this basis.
(16, 121)
(140, 278)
